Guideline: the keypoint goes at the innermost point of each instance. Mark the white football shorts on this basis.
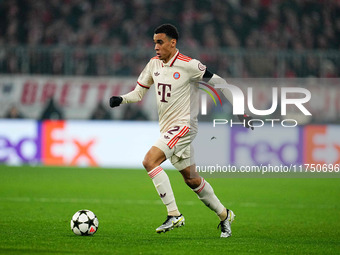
(176, 145)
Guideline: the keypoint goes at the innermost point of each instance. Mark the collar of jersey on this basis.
(172, 60)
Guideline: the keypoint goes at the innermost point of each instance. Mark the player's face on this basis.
(165, 47)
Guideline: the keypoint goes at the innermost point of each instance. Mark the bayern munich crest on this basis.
(177, 75)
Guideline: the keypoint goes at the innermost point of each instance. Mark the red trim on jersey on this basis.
(155, 57)
(155, 171)
(184, 58)
(142, 85)
(175, 139)
(174, 59)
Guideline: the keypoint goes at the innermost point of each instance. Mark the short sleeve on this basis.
(145, 78)
(197, 69)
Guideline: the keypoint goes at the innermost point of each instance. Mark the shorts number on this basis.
(175, 129)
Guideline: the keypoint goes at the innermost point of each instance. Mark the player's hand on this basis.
(115, 101)
(246, 118)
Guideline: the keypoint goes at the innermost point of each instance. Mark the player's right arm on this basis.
(134, 96)
(144, 82)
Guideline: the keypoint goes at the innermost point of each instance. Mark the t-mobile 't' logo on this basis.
(163, 92)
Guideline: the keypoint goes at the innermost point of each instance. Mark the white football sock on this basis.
(162, 184)
(206, 194)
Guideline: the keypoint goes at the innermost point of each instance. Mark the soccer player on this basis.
(175, 77)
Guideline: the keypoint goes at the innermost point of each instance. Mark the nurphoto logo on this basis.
(302, 97)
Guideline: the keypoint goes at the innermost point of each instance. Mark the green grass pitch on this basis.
(273, 216)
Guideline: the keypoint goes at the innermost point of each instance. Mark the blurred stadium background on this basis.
(238, 38)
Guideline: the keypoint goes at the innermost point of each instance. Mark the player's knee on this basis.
(153, 158)
(193, 182)
(148, 163)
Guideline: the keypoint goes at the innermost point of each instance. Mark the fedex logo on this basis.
(304, 145)
(322, 145)
(25, 149)
(266, 147)
(49, 143)
(19, 145)
(61, 148)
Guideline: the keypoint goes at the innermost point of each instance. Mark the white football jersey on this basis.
(176, 89)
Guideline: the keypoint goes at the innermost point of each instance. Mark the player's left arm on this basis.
(213, 79)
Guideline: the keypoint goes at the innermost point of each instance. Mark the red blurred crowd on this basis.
(296, 25)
